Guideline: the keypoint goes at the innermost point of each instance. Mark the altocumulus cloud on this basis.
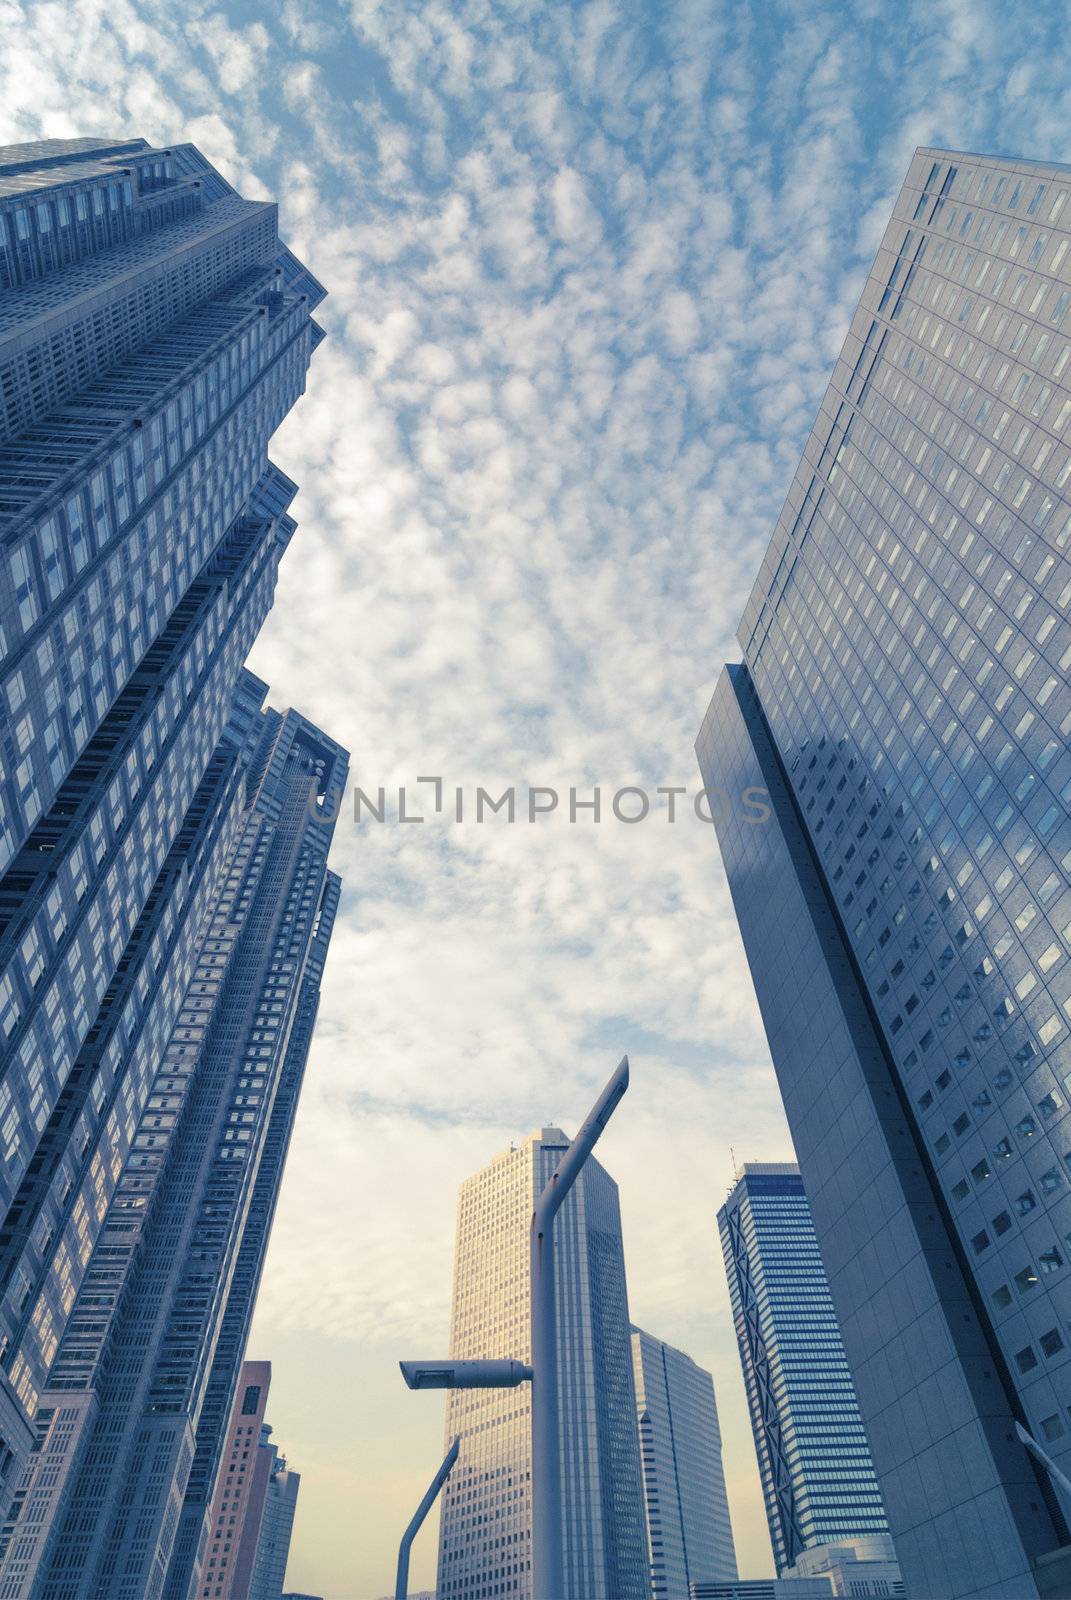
(589, 267)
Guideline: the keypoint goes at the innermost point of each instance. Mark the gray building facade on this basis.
(154, 332)
(485, 1529)
(893, 782)
(689, 1534)
(115, 1497)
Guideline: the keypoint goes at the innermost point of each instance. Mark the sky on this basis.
(589, 267)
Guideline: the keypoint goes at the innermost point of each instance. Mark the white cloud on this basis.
(575, 218)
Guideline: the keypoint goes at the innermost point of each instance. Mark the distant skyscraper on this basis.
(689, 1535)
(241, 1488)
(153, 333)
(253, 1508)
(893, 777)
(814, 1462)
(486, 1519)
(276, 1528)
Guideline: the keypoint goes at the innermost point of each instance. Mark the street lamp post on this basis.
(401, 1587)
(548, 1581)
(449, 1375)
(547, 1562)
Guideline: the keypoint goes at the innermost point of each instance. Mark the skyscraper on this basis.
(689, 1535)
(241, 1487)
(892, 781)
(131, 1425)
(254, 1503)
(486, 1519)
(276, 1527)
(814, 1462)
(153, 334)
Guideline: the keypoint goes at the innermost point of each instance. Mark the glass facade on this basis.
(154, 331)
(486, 1515)
(689, 1535)
(276, 1527)
(817, 1477)
(904, 897)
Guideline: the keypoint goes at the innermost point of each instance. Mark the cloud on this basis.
(575, 218)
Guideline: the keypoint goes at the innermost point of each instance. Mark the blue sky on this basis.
(589, 268)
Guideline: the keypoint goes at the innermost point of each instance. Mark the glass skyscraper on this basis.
(164, 899)
(890, 774)
(485, 1533)
(276, 1526)
(689, 1534)
(818, 1480)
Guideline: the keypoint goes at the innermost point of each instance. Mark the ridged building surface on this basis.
(165, 904)
(818, 1481)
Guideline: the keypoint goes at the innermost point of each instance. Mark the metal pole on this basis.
(401, 1587)
(548, 1581)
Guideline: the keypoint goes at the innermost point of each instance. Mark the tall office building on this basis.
(893, 817)
(485, 1527)
(689, 1535)
(817, 1477)
(254, 1503)
(153, 333)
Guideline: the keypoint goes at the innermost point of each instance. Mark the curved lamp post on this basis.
(547, 1560)
(401, 1587)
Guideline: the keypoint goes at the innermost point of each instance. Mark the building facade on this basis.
(116, 1496)
(276, 1527)
(485, 1527)
(764, 1589)
(689, 1534)
(154, 332)
(818, 1481)
(255, 1499)
(241, 1489)
(865, 1568)
(894, 776)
